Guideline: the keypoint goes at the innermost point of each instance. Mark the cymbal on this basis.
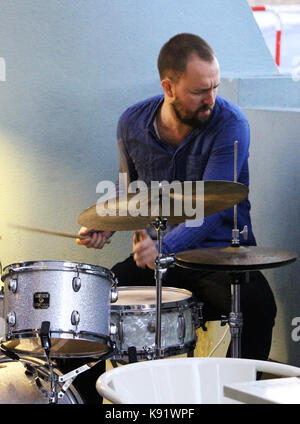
(215, 197)
(240, 258)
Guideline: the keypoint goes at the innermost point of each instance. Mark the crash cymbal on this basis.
(240, 258)
(120, 214)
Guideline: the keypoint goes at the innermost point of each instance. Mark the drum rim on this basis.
(173, 350)
(54, 265)
(59, 334)
(151, 306)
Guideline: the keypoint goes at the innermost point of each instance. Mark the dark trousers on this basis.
(211, 288)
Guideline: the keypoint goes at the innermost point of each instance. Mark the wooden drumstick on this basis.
(51, 233)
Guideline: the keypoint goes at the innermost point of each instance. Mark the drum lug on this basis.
(76, 283)
(198, 315)
(75, 318)
(113, 294)
(151, 326)
(113, 329)
(13, 285)
(2, 292)
(181, 327)
(120, 331)
(11, 319)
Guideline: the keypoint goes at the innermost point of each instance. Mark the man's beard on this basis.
(194, 120)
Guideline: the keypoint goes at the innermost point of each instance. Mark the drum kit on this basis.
(59, 309)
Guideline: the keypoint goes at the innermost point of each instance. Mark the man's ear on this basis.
(168, 87)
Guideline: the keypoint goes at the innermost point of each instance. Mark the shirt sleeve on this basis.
(220, 166)
(126, 163)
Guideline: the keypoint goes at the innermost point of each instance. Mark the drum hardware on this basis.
(113, 329)
(114, 291)
(235, 320)
(132, 354)
(76, 282)
(197, 315)
(181, 328)
(70, 376)
(151, 326)
(13, 285)
(75, 320)
(46, 344)
(161, 263)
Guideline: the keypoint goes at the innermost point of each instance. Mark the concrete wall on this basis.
(275, 176)
(71, 68)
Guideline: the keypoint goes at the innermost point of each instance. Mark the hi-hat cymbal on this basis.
(215, 196)
(240, 258)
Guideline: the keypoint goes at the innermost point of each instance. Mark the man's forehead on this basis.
(195, 63)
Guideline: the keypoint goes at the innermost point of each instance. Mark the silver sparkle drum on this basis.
(134, 315)
(19, 383)
(74, 297)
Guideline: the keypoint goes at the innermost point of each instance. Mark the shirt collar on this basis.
(159, 102)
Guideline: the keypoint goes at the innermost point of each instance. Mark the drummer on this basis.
(188, 133)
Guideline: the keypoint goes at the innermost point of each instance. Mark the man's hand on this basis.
(144, 249)
(96, 239)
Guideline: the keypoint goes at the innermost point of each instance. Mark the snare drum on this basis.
(134, 315)
(74, 297)
(18, 383)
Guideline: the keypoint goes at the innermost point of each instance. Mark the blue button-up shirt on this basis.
(207, 153)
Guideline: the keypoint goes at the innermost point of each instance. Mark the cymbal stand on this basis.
(162, 263)
(235, 319)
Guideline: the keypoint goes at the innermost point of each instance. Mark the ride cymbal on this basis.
(122, 214)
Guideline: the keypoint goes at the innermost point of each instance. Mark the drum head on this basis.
(145, 296)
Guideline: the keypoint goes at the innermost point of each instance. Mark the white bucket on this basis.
(182, 380)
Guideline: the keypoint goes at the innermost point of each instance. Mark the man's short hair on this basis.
(175, 53)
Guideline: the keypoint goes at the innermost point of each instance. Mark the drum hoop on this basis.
(174, 304)
(32, 334)
(69, 266)
(165, 352)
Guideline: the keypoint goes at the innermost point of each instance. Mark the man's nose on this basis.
(210, 98)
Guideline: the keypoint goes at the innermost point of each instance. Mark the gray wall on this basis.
(275, 176)
(72, 67)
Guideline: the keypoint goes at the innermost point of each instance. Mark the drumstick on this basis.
(50, 232)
